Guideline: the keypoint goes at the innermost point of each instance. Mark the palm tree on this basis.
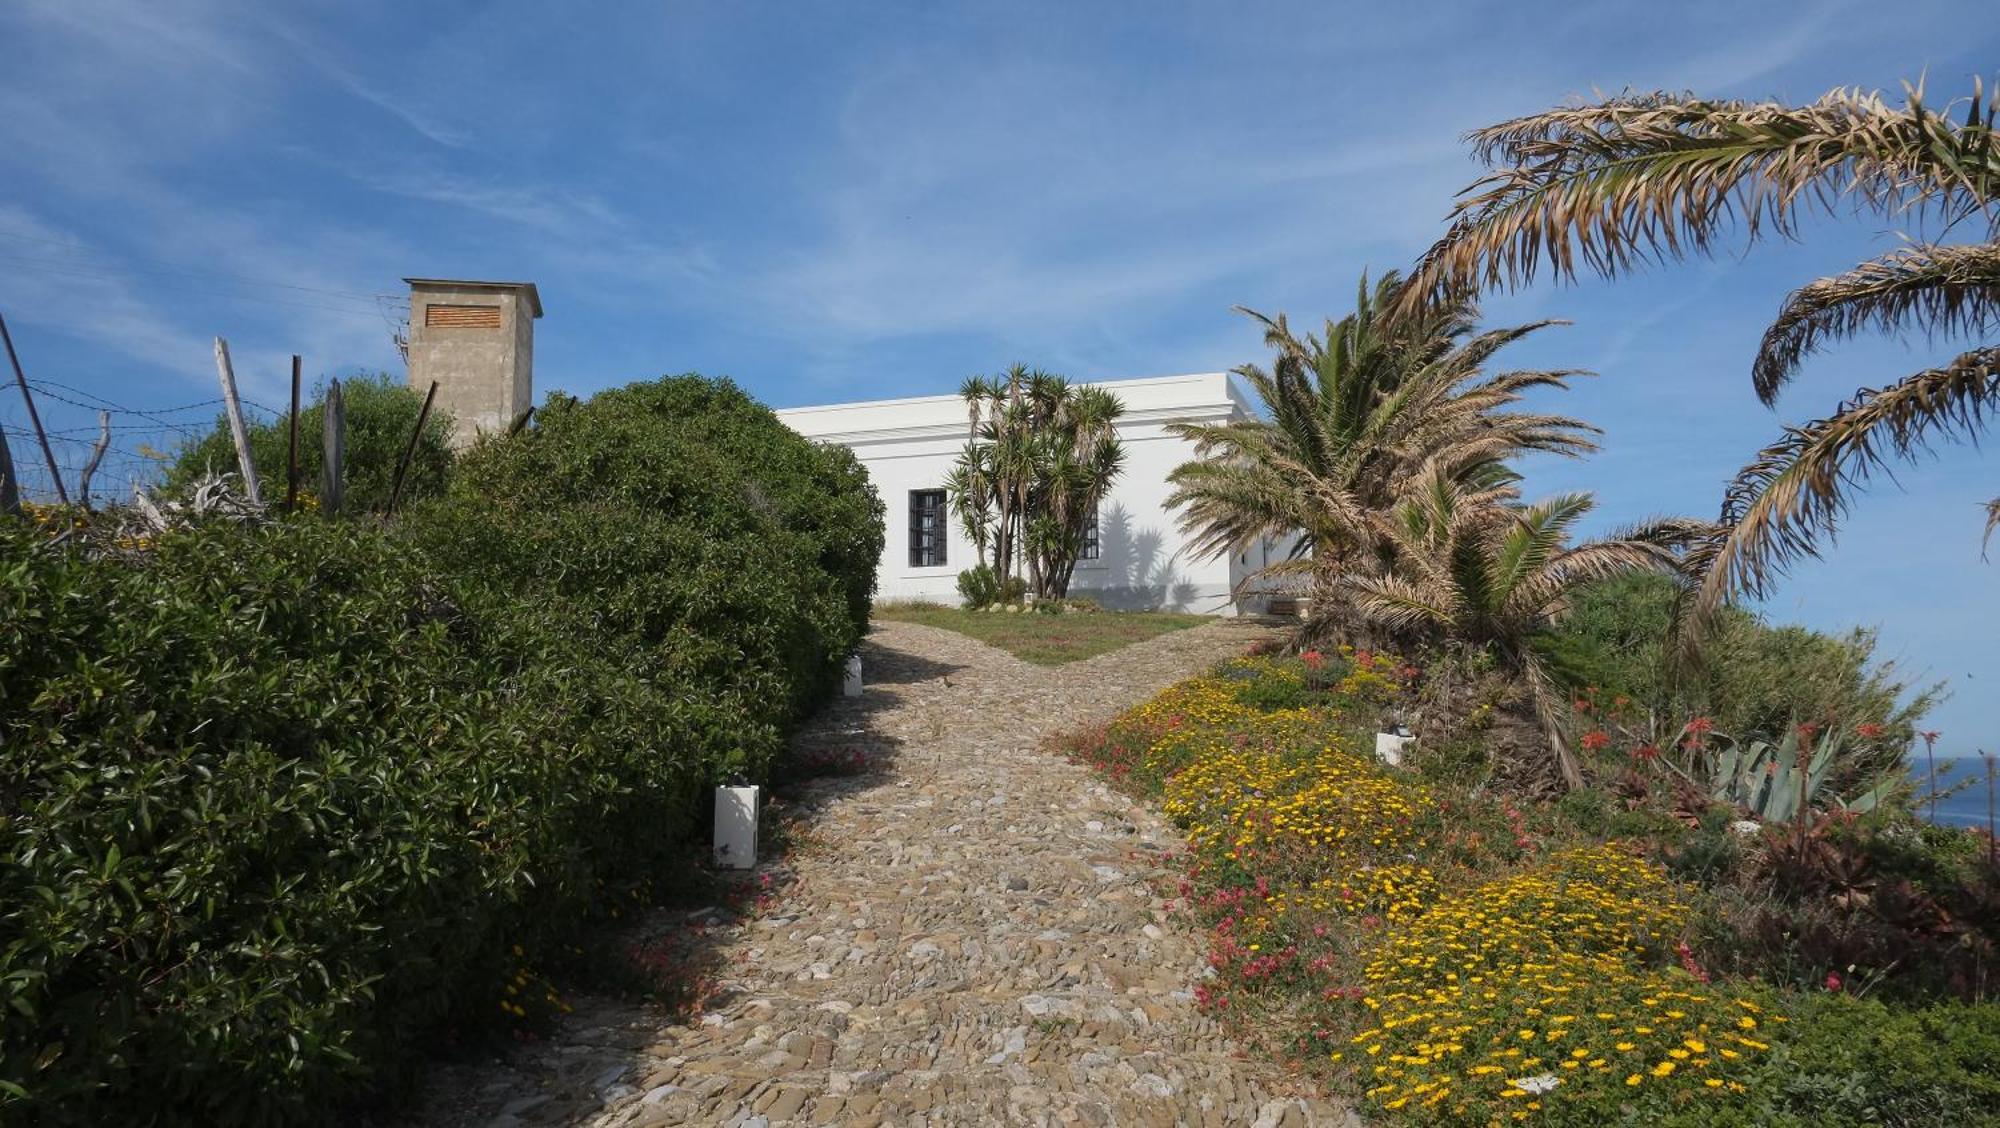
(1477, 572)
(1352, 416)
(1607, 187)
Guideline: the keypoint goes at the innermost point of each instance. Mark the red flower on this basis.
(1869, 731)
(1833, 981)
(1646, 752)
(1701, 725)
(1312, 658)
(1808, 730)
(1582, 706)
(1595, 739)
(1409, 673)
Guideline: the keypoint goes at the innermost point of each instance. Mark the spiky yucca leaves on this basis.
(1608, 187)
(1353, 415)
(1477, 571)
(1041, 455)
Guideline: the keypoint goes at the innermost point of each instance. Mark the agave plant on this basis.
(1770, 781)
(1613, 186)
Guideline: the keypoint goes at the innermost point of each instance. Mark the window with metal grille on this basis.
(1093, 546)
(927, 528)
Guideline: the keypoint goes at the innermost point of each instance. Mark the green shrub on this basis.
(1758, 679)
(979, 587)
(278, 803)
(682, 514)
(1853, 1061)
(380, 416)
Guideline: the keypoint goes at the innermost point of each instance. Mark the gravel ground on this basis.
(969, 934)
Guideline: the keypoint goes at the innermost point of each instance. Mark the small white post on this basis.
(852, 686)
(1389, 748)
(736, 827)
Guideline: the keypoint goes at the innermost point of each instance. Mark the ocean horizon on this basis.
(1964, 808)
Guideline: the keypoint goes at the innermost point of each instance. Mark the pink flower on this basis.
(1833, 981)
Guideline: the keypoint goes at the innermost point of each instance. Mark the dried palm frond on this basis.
(1942, 289)
(1778, 507)
(1642, 177)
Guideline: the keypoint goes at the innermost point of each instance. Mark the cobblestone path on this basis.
(970, 936)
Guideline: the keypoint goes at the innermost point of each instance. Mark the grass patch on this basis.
(1045, 640)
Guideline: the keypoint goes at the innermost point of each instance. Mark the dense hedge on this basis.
(277, 804)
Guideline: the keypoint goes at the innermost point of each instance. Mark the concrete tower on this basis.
(477, 340)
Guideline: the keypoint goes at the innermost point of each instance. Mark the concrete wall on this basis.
(485, 376)
(910, 444)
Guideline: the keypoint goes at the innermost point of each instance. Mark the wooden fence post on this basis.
(10, 491)
(292, 457)
(333, 457)
(410, 449)
(34, 417)
(96, 456)
(234, 405)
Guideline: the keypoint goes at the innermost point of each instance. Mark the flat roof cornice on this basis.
(534, 295)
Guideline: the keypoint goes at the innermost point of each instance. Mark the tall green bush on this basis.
(682, 514)
(381, 413)
(277, 803)
(1757, 679)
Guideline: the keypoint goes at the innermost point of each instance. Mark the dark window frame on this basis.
(1093, 538)
(929, 531)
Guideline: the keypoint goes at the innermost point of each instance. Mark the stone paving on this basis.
(972, 935)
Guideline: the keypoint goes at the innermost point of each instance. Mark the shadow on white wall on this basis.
(1134, 573)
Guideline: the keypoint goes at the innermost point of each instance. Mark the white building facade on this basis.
(1137, 558)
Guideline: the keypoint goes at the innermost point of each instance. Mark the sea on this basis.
(1965, 808)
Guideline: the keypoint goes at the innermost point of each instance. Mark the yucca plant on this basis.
(1610, 186)
(1040, 456)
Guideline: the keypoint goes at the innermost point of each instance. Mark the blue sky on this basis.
(838, 201)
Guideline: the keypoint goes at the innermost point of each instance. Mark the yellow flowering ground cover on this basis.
(1423, 951)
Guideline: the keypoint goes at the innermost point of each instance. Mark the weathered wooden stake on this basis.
(234, 405)
(96, 456)
(292, 455)
(34, 417)
(333, 451)
(410, 449)
(10, 491)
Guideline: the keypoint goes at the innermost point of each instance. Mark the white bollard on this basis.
(736, 827)
(852, 686)
(1389, 748)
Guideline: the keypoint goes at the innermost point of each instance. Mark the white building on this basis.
(1137, 560)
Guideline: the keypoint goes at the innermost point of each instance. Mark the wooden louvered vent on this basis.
(462, 316)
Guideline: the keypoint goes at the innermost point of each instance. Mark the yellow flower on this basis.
(1632, 1080)
(1663, 1069)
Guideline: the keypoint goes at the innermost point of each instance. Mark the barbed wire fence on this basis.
(143, 441)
